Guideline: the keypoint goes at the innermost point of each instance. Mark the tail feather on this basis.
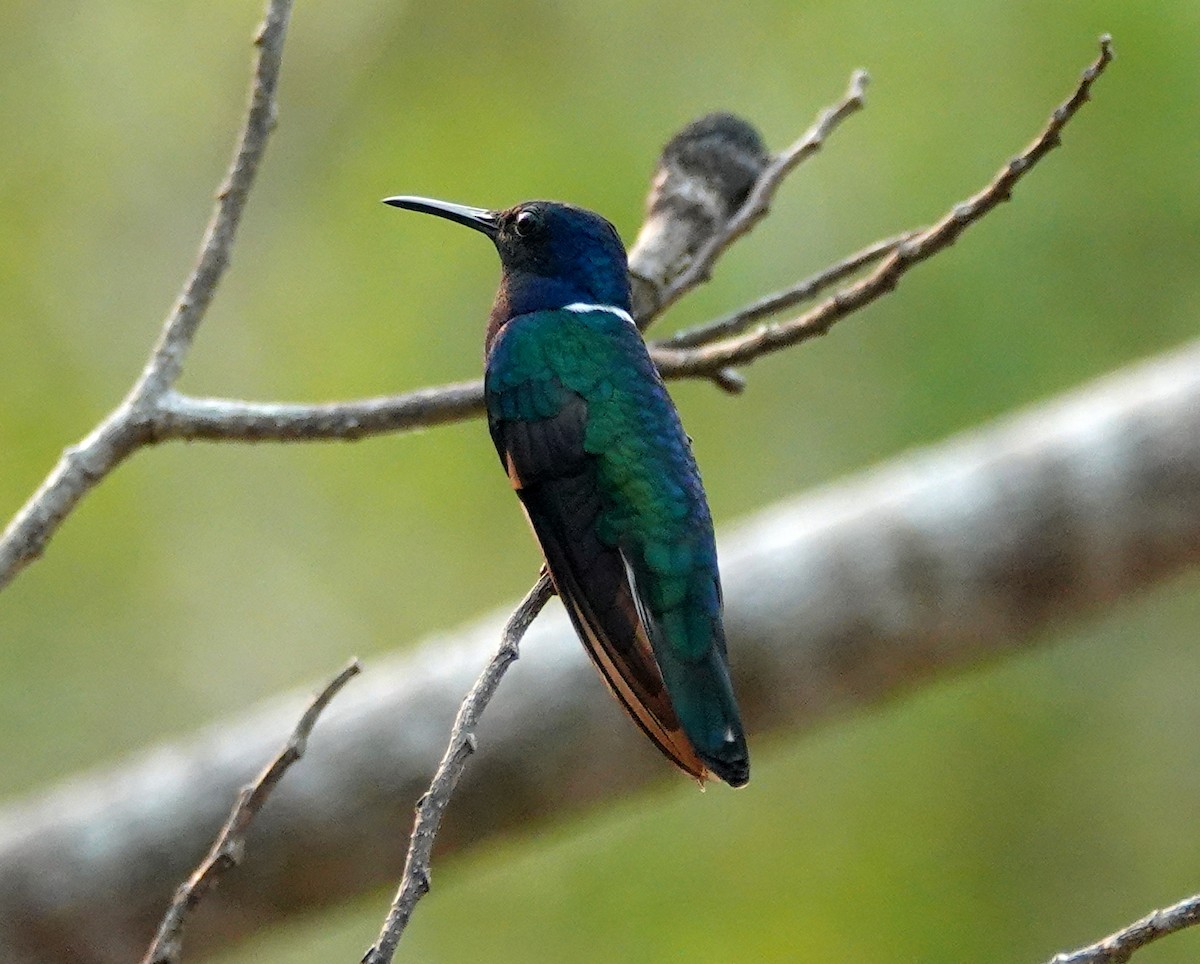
(701, 691)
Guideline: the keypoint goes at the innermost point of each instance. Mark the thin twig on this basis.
(230, 844)
(780, 301)
(131, 424)
(166, 362)
(414, 883)
(703, 362)
(1120, 947)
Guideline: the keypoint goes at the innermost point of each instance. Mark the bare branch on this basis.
(1120, 947)
(230, 844)
(705, 361)
(131, 424)
(229, 420)
(414, 884)
(669, 238)
(780, 301)
(186, 418)
(154, 412)
(163, 369)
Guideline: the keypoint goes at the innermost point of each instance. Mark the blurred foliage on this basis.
(1003, 815)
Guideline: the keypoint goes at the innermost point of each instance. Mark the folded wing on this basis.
(539, 429)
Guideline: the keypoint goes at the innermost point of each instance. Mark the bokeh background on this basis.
(1003, 815)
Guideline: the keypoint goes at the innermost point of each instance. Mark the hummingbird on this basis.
(594, 448)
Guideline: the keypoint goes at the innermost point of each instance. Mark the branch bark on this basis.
(939, 561)
(1120, 947)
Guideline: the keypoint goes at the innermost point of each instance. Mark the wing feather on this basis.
(556, 480)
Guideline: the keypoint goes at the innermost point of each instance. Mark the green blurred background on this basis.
(1000, 816)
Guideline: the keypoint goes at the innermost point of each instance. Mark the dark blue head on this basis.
(553, 254)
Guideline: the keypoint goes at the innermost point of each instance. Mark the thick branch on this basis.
(227, 849)
(940, 560)
(415, 882)
(131, 424)
(1120, 947)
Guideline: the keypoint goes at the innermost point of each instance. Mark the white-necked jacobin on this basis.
(593, 446)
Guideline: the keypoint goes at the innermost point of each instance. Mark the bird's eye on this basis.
(526, 223)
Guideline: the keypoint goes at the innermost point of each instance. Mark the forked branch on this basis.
(703, 361)
(135, 422)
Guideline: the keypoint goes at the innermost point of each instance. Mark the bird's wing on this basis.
(538, 428)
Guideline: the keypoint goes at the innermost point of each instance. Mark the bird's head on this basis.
(553, 254)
